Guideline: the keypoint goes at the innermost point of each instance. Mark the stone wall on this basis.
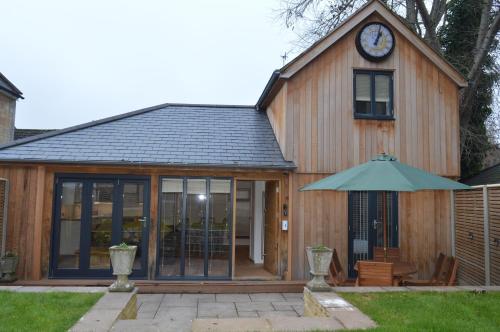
(7, 118)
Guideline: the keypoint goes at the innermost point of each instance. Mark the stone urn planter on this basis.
(319, 258)
(8, 266)
(122, 260)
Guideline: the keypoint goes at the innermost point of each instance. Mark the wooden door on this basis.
(271, 227)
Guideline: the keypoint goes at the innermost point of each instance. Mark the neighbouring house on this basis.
(211, 191)
(489, 175)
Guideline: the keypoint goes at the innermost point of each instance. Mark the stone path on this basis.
(175, 312)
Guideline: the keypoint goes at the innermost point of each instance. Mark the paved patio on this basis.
(175, 312)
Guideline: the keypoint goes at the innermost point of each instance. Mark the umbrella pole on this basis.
(384, 197)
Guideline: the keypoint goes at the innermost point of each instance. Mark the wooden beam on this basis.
(36, 271)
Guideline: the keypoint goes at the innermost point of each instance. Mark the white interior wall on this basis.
(257, 227)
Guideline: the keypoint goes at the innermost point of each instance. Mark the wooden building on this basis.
(211, 192)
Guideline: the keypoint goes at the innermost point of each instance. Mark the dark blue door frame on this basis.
(87, 180)
(182, 269)
(372, 216)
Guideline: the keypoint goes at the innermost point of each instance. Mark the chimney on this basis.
(9, 95)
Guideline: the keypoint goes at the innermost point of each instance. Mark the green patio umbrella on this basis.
(384, 173)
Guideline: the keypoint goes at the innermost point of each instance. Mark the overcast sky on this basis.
(77, 61)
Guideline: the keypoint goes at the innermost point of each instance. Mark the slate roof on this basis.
(169, 134)
(490, 175)
(24, 133)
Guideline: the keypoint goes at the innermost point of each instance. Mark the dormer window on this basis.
(373, 94)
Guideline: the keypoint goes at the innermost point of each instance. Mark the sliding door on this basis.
(93, 213)
(195, 228)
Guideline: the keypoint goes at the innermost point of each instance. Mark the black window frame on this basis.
(373, 114)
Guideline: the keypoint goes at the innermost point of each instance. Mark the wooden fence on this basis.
(477, 235)
(4, 190)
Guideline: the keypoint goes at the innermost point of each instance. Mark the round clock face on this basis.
(375, 41)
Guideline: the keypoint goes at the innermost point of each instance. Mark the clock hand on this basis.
(379, 34)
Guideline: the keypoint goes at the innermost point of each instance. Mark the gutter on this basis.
(270, 84)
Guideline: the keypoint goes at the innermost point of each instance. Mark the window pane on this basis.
(195, 227)
(101, 225)
(170, 227)
(133, 212)
(71, 211)
(363, 93)
(382, 94)
(218, 228)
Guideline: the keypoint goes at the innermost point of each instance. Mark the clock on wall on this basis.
(375, 41)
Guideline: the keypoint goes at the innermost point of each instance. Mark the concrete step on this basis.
(271, 324)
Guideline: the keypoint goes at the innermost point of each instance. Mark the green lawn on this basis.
(43, 311)
(430, 311)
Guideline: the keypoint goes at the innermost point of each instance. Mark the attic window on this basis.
(373, 95)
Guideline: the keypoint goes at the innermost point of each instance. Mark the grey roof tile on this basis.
(203, 135)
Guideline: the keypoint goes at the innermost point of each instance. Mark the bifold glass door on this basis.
(93, 213)
(366, 224)
(195, 228)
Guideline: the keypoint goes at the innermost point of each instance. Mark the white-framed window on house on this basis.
(373, 95)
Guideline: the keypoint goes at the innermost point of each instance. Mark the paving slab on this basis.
(299, 324)
(9, 288)
(433, 288)
(176, 313)
(149, 307)
(491, 288)
(217, 309)
(299, 309)
(395, 289)
(358, 289)
(232, 298)
(146, 315)
(144, 325)
(157, 298)
(176, 300)
(248, 314)
(288, 313)
(231, 325)
(200, 298)
(252, 306)
(293, 296)
(34, 289)
(282, 306)
(267, 297)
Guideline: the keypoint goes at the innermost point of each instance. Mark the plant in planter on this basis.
(319, 258)
(8, 266)
(122, 260)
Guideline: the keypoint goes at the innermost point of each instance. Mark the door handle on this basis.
(144, 221)
(375, 223)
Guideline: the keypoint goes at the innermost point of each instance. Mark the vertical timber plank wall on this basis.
(317, 131)
(21, 237)
(320, 134)
(322, 218)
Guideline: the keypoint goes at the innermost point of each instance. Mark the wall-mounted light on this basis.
(202, 197)
(471, 236)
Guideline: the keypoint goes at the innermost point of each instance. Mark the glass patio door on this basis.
(195, 228)
(366, 221)
(93, 213)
